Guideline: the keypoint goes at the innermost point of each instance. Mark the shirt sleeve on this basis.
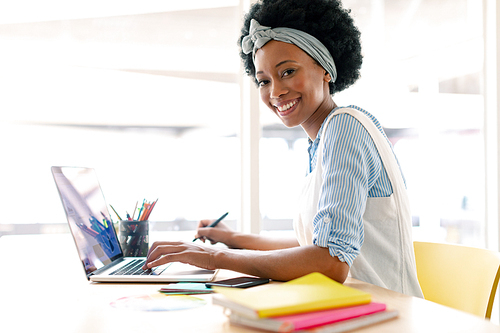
(351, 165)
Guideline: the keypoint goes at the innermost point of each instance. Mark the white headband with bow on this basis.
(259, 35)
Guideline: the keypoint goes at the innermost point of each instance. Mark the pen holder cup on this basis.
(134, 238)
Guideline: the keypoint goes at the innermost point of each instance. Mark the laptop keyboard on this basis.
(134, 267)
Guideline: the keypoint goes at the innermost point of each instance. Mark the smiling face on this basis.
(293, 86)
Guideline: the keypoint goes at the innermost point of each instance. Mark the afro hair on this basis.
(326, 20)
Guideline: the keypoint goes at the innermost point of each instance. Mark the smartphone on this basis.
(239, 282)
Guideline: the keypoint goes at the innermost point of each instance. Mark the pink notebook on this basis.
(308, 320)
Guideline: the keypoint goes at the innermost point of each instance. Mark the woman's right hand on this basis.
(221, 233)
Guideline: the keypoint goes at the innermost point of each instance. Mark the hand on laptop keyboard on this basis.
(135, 268)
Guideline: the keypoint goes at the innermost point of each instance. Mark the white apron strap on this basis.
(388, 159)
(404, 254)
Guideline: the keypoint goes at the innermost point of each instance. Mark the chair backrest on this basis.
(461, 277)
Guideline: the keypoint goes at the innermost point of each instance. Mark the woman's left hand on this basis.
(162, 253)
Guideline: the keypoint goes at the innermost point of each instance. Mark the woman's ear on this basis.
(328, 77)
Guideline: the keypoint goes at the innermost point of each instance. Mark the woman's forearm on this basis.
(283, 265)
(260, 242)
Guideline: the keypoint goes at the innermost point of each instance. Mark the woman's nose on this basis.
(278, 89)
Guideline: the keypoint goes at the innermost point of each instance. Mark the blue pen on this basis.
(214, 223)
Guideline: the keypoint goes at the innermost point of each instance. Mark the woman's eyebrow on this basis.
(284, 62)
(278, 65)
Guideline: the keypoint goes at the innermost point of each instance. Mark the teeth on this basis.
(286, 106)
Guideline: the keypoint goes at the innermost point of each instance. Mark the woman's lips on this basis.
(286, 108)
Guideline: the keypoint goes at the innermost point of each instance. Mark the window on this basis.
(147, 94)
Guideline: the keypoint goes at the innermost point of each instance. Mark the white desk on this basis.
(33, 297)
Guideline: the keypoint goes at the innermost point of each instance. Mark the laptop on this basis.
(98, 246)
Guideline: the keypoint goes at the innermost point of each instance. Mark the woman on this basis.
(353, 210)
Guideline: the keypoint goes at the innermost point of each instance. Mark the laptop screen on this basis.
(88, 216)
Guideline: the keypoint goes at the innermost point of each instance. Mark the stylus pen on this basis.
(214, 223)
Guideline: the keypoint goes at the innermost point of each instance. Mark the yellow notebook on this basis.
(311, 292)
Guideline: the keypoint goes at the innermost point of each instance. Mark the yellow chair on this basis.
(461, 277)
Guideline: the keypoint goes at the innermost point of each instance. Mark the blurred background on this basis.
(150, 95)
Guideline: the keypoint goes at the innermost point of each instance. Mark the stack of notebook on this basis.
(312, 303)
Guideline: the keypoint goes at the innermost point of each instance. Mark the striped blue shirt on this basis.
(352, 172)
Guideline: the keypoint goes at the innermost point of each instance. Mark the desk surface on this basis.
(35, 297)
